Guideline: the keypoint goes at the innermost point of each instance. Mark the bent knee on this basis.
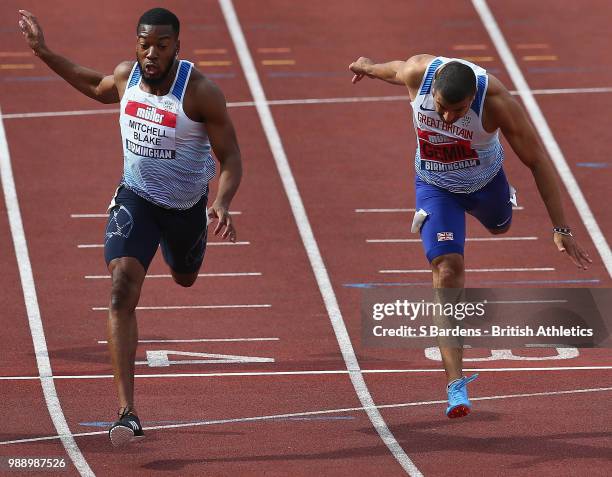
(501, 230)
(125, 292)
(185, 279)
(449, 270)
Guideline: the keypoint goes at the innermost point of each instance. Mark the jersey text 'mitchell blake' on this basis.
(147, 134)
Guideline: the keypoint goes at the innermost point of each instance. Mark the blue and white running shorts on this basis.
(443, 230)
(137, 227)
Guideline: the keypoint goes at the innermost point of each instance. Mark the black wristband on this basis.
(563, 231)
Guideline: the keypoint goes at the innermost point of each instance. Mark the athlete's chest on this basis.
(149, 125)
(468, 127)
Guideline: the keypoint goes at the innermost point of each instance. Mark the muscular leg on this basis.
(449, 272)
(127, 277)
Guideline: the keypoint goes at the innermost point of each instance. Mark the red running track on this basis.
(344, 156)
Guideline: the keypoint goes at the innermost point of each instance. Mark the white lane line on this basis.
(310, 373)
(566, 91)
(370, 211)
(290, 102)
(188, 307)
(54, 114)
(361, 211)
(105, 216)
(88, 216)
(209, 244)
(469, 239)
(308, 239)
(478, 270)
(204, 340)
(320, 412)
(551, 145)
(204, 275)
(33, 311)
(382, 406)
(496, 239)
(350, 99)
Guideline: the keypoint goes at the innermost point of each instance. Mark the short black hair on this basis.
(160, 16)
(455, 82)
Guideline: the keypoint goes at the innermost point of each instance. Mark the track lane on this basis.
(385, 144)
(292, 87)
(15, 339)
(297, 316)
(579, 124)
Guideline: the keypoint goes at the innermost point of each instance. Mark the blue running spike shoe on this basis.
(126, 429)
(458, 403)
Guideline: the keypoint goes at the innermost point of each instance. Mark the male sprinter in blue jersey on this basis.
(171, 116)
(458, 111)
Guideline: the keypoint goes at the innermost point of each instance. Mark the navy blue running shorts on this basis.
(443, 231)
(136, 227)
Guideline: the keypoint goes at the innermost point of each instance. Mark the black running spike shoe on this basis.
(126, 429)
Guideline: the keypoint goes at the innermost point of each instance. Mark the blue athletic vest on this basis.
(167, 156)
(461, 157)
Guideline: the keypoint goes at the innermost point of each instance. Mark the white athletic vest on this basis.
(461, 157)
(167, 156)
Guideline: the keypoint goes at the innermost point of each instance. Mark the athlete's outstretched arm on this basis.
(89, 82)
(389, 72)
(225, 145)
(515, 126)
(407, 73)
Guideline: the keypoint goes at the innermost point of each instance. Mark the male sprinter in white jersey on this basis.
(171, 116)
(458, 110)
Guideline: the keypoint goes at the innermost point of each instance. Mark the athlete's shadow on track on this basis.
(430, 436)
(84, 354)
(415, 437)
(174, 464)
(426, 437)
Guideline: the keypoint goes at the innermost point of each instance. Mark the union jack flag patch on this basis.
(442, 236)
